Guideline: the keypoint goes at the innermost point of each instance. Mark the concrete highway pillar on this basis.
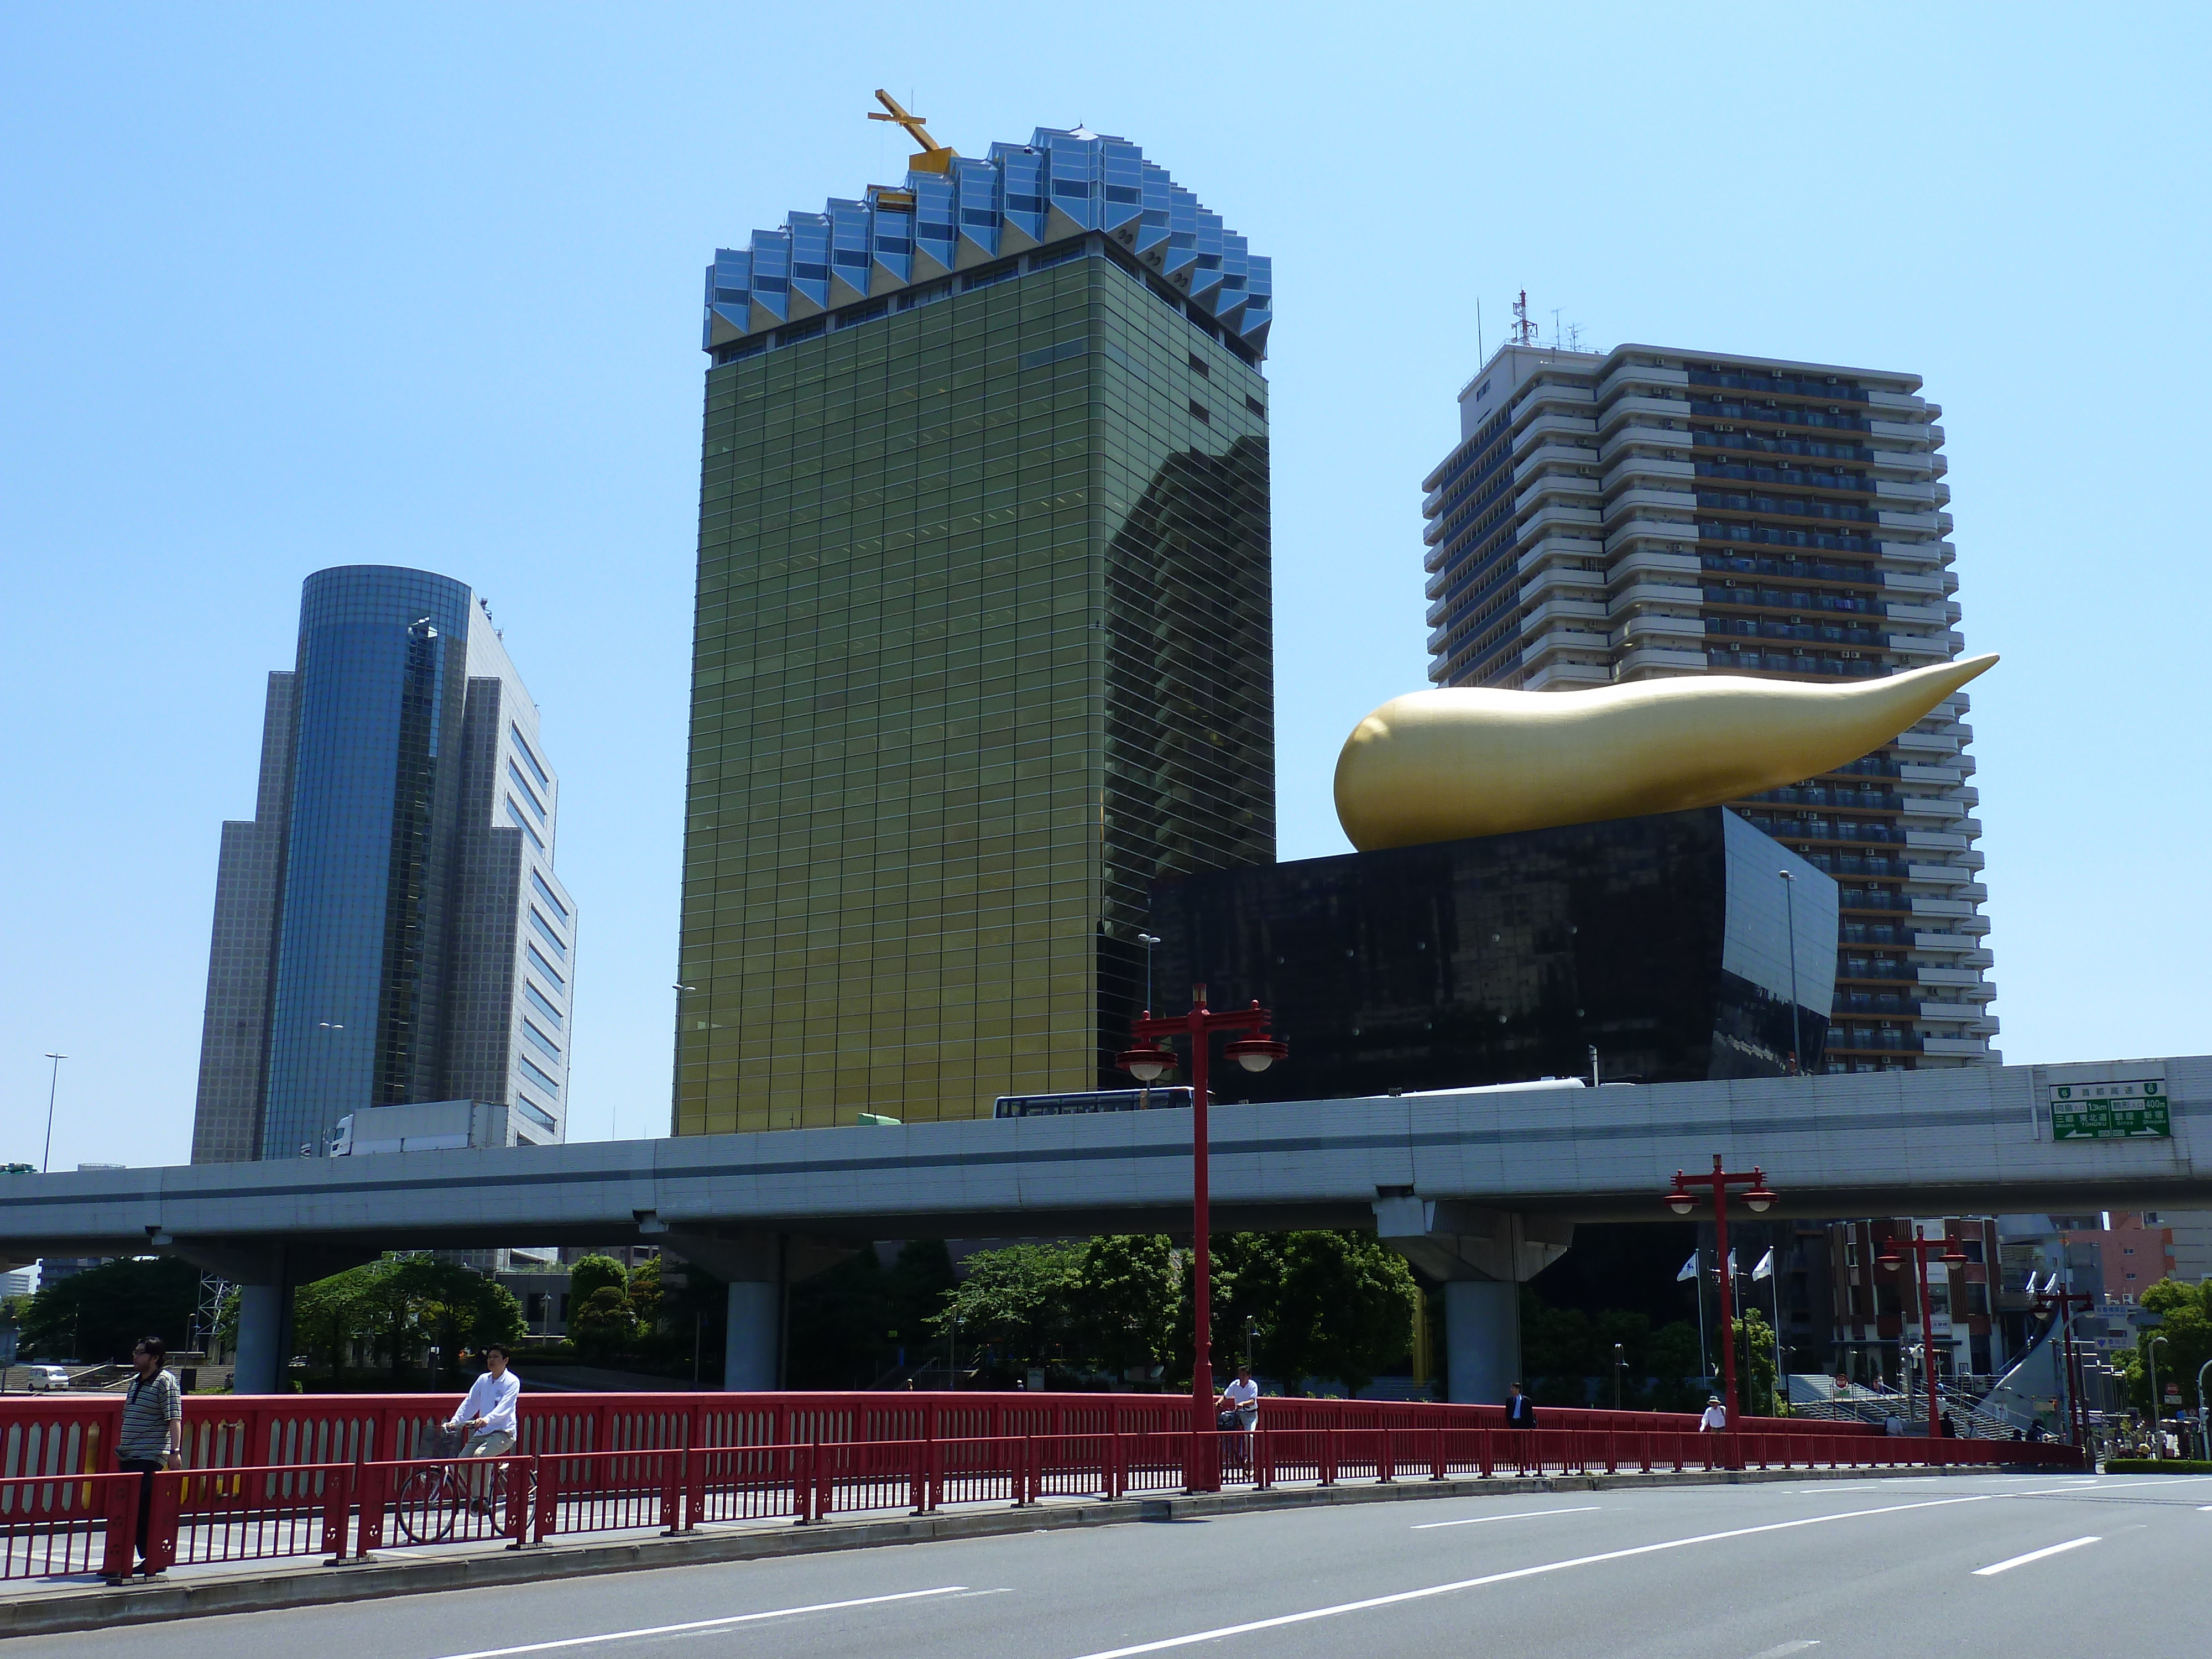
(751, 1351)
(1481, 1257)
(260, 1358)
(1482, 1337)
(758, 1269)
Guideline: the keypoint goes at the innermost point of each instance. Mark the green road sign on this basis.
(2110, 1111)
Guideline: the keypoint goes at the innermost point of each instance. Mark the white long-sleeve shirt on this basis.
(492, 1398)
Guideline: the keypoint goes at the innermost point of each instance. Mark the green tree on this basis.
(1342, 1308)
(99, 1314)
(1754, 1359)
(2187, 1312)
(398, 1306)
(1675, 1367)
(591, 1272)
(1124, 1308)
(1018, 1301)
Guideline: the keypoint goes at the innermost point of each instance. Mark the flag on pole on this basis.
(1689, 1270)
(1733, 1271)
(1766, 1267)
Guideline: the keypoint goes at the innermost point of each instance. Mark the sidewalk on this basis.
(50, 1605)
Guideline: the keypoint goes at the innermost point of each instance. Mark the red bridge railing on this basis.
(274, 1476)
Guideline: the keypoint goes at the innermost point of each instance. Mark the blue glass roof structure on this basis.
(1059, 186)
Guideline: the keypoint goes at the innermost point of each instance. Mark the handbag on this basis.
(1229, 1420)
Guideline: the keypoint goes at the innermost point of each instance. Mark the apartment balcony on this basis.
(1567, 675)
(1923, 905)
(1583, 617)
(1907, 581)
(1651, 593)
(1929, 615)
(1556, 455)
(1908, 496)
(1931, 806)
(1673, 410)
(1659, 631)
(1955, 1047)
(1967, 981)
(1950, 1013)
(1634, 374)
(1649, 562)
(1557, 518)
(1658, 661)
(1649, 504)
(1948, 944)
(1913, 772)
(1923, 647)
(1937, 742)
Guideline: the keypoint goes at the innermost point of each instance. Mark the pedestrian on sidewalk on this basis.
(1715, 1420)
(1520, 1410)
(152, 1435)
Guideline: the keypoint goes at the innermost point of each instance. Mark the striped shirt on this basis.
(152, 1405)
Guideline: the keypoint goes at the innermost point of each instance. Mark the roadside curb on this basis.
(105, 1607)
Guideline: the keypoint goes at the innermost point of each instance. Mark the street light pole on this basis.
(1147, 1061)
(1921, 1249)
(1619, 1364)
(1797, 1037)
(46, 1163)
(1682, 1201)
(2157, 1406)
(2203, 1422)
(2063, 1303)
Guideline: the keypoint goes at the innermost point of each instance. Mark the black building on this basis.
(1664, 942)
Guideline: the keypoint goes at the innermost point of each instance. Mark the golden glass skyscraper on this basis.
(982, 645)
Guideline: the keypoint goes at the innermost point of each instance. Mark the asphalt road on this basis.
(2028, 1567)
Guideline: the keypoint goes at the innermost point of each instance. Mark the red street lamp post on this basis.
(1148, 1061)
(1922, 1249)
(2062, 1303)
(1682, 1201)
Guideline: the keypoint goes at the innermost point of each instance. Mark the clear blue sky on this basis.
(283, 288)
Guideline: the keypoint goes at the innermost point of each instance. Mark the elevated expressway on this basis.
(1480, 1189)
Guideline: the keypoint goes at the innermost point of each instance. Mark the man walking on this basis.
(151, 1437)
(1715, 1421)
(1520, 1410)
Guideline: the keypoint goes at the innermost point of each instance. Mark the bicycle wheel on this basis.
(427, 1505)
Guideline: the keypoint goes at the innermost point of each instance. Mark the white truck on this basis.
(427, 1125)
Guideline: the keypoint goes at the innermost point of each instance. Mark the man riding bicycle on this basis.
(487, 1416)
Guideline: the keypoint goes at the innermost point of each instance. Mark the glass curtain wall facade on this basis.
(982, 651)
(389, 928)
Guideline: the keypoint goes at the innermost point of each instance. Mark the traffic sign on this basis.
(2134, 1111)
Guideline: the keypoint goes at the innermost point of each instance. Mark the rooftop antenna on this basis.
(1523, 331)
(934, 157)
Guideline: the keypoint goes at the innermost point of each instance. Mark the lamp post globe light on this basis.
(1682, 1201)
(1921, 1249)
(1148, 1061)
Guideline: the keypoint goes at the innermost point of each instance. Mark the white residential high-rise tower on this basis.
(1644, 511)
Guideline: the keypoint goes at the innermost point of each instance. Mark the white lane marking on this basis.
(1522, 1515)
(2204, 1509)
(1784, 1650)
(1402, 1597)
(705, 1624)
(969, 1595)
(1996, 1567)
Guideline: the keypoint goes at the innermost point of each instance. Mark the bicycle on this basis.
(430, 1502)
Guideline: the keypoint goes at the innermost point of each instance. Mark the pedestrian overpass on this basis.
(1480, 1189)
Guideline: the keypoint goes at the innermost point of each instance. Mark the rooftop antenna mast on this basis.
(934, 157)
(1523, 331)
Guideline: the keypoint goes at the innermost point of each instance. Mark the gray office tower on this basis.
(388, 929)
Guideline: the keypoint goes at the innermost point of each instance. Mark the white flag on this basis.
(1733, 1269)
(1689, 1269)
(1766, 1267)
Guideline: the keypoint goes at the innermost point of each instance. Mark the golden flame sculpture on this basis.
(1441, 765)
